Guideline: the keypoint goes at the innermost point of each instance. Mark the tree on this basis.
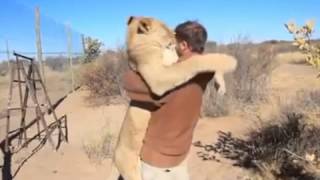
(92, 49)
(302, 39)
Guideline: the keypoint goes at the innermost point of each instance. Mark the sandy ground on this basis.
(87, 122)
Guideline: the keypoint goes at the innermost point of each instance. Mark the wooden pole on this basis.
(8, 54)
(69, 41)
(83, 43)
(38, 43)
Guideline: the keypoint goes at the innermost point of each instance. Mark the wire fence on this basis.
(56, 46)
(21, 36)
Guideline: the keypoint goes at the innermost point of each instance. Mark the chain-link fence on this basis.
(32, 33)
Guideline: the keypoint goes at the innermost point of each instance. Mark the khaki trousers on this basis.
(179, 172)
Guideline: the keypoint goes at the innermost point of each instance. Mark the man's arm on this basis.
(132, 82)
(138, 90)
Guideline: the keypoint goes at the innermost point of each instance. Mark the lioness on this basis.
(151, 50)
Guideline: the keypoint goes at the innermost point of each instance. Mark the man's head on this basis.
(191, 38)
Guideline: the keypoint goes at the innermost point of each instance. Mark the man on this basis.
(174, 116)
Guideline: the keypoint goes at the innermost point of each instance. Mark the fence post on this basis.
(83, 43)
(38, 43)
(69, 41)
(8, 53)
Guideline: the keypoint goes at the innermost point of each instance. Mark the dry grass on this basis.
(214, 105)
(291, 58)
(285, 146)
(103, 76)
(4, 86)
(306, 102)
(101, 147)
(58, 84)
(248, 85)
(3, 68)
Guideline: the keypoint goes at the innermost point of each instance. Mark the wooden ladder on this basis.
(25, 73)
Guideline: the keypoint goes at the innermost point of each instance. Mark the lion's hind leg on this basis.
(126, 157)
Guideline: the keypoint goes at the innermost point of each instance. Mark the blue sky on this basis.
(106, 20)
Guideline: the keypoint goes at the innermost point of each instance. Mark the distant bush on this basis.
(248, 84)
(306, 102)
(92, 49)
(4, 68)
(279, 46)
(61, 63)
(251, 80)
(211, 46)
(102, 77)
(213, 105)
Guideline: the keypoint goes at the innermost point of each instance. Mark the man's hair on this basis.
(194, 34)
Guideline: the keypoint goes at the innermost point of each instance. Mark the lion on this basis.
(151, 52)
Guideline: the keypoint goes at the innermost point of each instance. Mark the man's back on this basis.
(170, 130)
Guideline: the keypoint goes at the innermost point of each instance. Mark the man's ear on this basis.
(184, 45)
(130, 20)
(144, 26)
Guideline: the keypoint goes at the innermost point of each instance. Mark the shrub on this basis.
(287, 149)
(92, 49)
(248, 84)
(286, 146)
(102, 76)
(59, 63)
(213, 105)
(302, 39)
(306, 102)
(251, 80)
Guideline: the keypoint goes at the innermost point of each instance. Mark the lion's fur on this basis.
(151, 48)
(132, 132)
(146, 49)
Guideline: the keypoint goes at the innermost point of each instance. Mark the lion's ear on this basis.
(130, 20)
(144, 26)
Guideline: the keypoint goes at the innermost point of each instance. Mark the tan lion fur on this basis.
(151, 49)
(146, 49)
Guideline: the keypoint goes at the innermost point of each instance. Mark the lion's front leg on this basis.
(164, 78)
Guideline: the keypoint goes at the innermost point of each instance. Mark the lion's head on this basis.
(150, 37)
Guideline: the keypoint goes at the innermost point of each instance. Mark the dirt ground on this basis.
(88, 123)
